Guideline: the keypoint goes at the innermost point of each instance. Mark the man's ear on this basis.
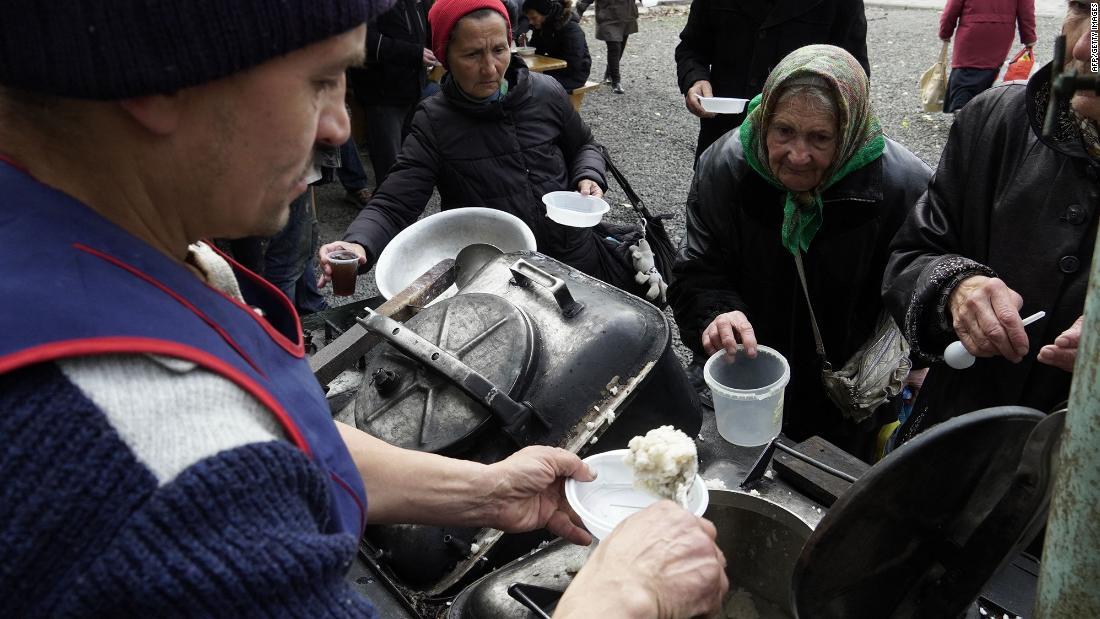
(159, 114)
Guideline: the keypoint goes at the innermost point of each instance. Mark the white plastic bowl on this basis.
(570, 208)
(525, 51)
(604, 503)
(422, 245)
(722, 105)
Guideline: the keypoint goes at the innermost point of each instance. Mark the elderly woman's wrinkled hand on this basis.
(1062, 353)
(727, 331)
(985, 314)
(589, 188)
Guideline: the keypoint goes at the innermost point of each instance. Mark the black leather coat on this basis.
(1004, 202)
(502, 154)
(732, 258)
(735, 44)
(394, 73)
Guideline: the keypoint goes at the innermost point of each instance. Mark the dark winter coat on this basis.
(735, 44)
(564, 39)
(502, 154)
(1006, 203)
(615, 19)
(983, 30)
(394, 73)
(732, 258)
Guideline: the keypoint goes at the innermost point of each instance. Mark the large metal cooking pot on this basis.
(530, 351)
(761, 541)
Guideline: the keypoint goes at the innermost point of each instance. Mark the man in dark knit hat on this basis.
(166, 448)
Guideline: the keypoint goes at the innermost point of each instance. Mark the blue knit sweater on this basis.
(86, 531)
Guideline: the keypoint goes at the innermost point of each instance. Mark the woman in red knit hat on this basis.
(497, 136)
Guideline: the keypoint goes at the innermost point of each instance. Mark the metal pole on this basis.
(1069, 576)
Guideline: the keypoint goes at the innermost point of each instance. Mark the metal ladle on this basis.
(472, 259)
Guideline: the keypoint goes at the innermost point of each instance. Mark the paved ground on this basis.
(1046, 8)
(653, 137)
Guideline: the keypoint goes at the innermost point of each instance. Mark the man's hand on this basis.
(429, 58)
(985, 314)
(727, 331)
(1063, 352)
(526, 491)
(702, 89)
(661, 562)
(589, 188)
(326, 268)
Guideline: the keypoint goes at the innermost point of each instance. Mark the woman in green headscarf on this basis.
(809, 171)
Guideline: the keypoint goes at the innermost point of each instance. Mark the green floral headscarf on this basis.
(860, 139)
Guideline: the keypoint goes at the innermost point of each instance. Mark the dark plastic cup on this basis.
(345, 268)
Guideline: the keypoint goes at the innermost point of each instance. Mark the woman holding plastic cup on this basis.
(808, 173)
(496, 136)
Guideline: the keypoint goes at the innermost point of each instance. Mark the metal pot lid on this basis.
(412, 406)
(922, 531)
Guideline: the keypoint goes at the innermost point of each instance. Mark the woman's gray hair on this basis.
(812, 91)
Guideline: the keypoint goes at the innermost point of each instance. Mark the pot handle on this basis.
(524, 273)
(519, 420)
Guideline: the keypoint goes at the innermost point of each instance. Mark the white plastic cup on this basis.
(611, 498)
(748, 394)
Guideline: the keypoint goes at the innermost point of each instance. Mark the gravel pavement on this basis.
(652, 136)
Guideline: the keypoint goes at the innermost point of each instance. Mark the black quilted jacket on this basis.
(504, 155)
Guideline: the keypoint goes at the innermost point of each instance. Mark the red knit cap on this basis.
(444, 14)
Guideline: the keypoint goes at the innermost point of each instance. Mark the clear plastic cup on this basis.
(748, 394)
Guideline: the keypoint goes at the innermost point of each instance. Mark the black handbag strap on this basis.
(631, 195)
(813, 319)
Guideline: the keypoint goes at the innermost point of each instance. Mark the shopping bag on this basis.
(1019, 68)
(933, 84)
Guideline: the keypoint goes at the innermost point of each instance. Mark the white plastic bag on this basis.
(933, 84)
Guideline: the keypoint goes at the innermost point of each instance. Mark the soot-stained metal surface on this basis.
(412, 406)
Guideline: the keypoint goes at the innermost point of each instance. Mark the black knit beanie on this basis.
(114, 49)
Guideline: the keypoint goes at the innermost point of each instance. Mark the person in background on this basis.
(984, 29)
(728, 48)
(520, 25)
(558, 34)
(288, 259)
(352, 175)
(167, 450)
(393, 79)
(1005, 229)
(616, 20)
(809, 171)
(498, 136)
